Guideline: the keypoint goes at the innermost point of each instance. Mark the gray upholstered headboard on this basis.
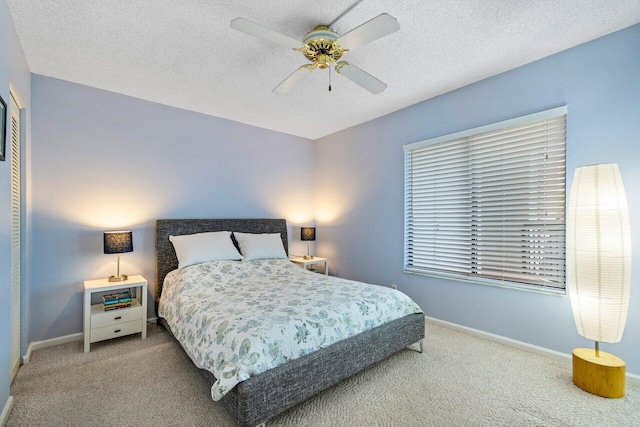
(166, 260)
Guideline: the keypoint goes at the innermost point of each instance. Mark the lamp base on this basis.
(120, 278)
(601, 375)
(308, 257)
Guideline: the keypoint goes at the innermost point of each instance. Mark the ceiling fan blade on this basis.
(374, 29)
(250, 27)
(361, 78)
(293, 80)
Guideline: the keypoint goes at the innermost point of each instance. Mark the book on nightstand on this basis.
(117, 306)
(116, 300)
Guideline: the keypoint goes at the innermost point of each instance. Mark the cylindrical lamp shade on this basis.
(118, 242)
(307, 233)
(598, 252)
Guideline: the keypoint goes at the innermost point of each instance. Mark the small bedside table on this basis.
(315, 260)
(102, 325)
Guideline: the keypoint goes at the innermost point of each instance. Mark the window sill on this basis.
(538, 289)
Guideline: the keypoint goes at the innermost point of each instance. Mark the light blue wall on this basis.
(103, 161)
(359, 184)
(14, 70)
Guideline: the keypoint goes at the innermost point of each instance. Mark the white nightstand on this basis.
(102, 325)
(315, 260)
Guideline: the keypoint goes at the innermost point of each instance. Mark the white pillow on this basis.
(260, 246)
(202, 247)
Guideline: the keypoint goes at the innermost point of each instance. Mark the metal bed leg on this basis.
(419, 343)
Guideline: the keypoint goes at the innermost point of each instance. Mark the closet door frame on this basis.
(15, 138)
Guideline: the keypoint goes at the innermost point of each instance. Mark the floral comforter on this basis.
(240, 318)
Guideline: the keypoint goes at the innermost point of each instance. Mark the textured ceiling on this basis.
(184, 53)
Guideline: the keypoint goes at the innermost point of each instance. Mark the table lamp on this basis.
(118, 242)
(308, 234)
(598, 274)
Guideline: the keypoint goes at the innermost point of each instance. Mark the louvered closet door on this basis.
(15, 236)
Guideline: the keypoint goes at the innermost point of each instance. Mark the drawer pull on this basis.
(117, 330)
(117, 318)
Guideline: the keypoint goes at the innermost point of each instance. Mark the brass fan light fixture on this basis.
(324, 47)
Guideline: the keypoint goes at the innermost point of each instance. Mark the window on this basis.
(488, 205)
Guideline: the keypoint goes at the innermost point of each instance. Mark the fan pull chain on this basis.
(329, 79)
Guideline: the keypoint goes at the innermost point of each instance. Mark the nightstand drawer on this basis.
(119, 330)
(100, 318)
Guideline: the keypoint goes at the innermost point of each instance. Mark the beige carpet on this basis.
(460, 380)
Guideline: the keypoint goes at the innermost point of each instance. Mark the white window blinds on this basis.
(488, 204)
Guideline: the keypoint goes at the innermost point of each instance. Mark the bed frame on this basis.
(254, 401)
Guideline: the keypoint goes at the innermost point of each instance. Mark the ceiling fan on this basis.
(324, 47)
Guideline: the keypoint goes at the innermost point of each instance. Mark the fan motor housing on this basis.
(320, 47)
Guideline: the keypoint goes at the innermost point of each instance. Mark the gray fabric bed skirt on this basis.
(270, 393)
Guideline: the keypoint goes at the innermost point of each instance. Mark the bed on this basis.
(260, 397)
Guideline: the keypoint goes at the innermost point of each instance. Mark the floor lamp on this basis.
(598, 274)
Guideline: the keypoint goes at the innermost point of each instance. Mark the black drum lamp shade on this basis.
(307, 234)
(118, 242)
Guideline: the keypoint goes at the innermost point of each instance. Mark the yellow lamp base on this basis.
(602, 375)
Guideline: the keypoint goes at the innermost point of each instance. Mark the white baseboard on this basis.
(4, 416)
(37, 345)
(542, 351)
(632, 378)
